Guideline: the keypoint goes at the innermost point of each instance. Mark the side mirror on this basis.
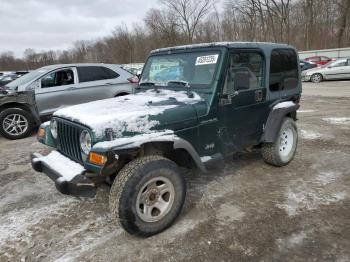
(242, 80)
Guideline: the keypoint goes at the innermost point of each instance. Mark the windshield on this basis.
(195, 68)
(27, 78)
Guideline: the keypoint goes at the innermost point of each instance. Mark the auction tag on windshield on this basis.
(206, 60)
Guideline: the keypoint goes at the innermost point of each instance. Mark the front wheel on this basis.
(316, 78)
(283, 150)
(147, 195)
(15, 123)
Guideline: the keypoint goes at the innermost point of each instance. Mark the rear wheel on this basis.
(15, 123)
(316, 78)
(283, 150)
(147, 195)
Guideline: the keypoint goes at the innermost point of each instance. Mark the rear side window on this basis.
(95, 73)
(283, 70)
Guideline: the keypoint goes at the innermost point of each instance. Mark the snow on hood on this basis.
(137, 140)
(127, 113)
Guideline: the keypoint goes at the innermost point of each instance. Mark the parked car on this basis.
(319, 60)
(33, 98)
(339, 69)
(305, 65)
(220, 104)
(7, 78)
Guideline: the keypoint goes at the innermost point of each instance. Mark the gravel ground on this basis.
(246, 211)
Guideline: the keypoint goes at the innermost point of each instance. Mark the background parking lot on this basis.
(245, 211)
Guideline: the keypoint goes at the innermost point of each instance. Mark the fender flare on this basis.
(183, 144)
(177, 142)
(274, 122)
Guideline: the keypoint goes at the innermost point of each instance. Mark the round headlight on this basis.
(85, 142)
(53, 128)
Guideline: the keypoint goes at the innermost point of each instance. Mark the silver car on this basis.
(339, 69)
(54, 87)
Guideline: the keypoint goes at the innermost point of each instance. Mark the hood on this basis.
(140, 113)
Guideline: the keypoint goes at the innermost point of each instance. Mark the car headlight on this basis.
(85, 142)
(53, 128)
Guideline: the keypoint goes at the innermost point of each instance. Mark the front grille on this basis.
(68, 139)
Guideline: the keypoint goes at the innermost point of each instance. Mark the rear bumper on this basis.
(79, 185)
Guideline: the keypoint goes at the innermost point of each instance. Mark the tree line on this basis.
(306, 24)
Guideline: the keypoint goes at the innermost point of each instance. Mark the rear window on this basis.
(283, 70)
(95, 73)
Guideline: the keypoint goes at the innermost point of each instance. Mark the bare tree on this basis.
(189, 14)
(344, 8)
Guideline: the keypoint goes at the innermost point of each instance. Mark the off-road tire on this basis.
(271, 151)
(129, 182)
(22, 113)
(316, 78)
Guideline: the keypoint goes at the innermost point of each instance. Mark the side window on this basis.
(58, 78)
(95, 73)
(283, 70)
(249, 63)
(343, 63)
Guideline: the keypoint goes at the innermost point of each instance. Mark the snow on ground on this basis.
(309, 135)
(14, 224)
(337, 120)
(311, 194)
(127, 113)
(306, 111)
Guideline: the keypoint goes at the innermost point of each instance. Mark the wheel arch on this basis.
(22, 106)
(178, 150)
(274, 121)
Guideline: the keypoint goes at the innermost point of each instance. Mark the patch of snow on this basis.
(305, 197)
(67, 168)
(284, 105)
(137, 140)
(205, 158)
(127, 113)
(337, 120)
(306, 111)
(309, 135)
(16, 223)
(325, 178)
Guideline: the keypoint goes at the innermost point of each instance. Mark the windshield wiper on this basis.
(184, 84)
(179, 82)
(147, 83)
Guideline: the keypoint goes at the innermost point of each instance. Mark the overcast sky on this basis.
(56, 24)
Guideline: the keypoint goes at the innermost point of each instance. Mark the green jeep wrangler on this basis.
(194, 105)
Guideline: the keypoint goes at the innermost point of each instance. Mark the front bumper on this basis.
(79, 185)
(305, 78)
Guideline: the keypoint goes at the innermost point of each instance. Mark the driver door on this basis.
(55, 90)
(243, 107)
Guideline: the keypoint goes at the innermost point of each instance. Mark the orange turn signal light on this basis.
(41, 132)
(97, 158)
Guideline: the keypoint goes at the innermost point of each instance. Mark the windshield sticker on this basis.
(206, 60)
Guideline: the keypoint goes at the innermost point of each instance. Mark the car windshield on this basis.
(27, 78)
(196, 69)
